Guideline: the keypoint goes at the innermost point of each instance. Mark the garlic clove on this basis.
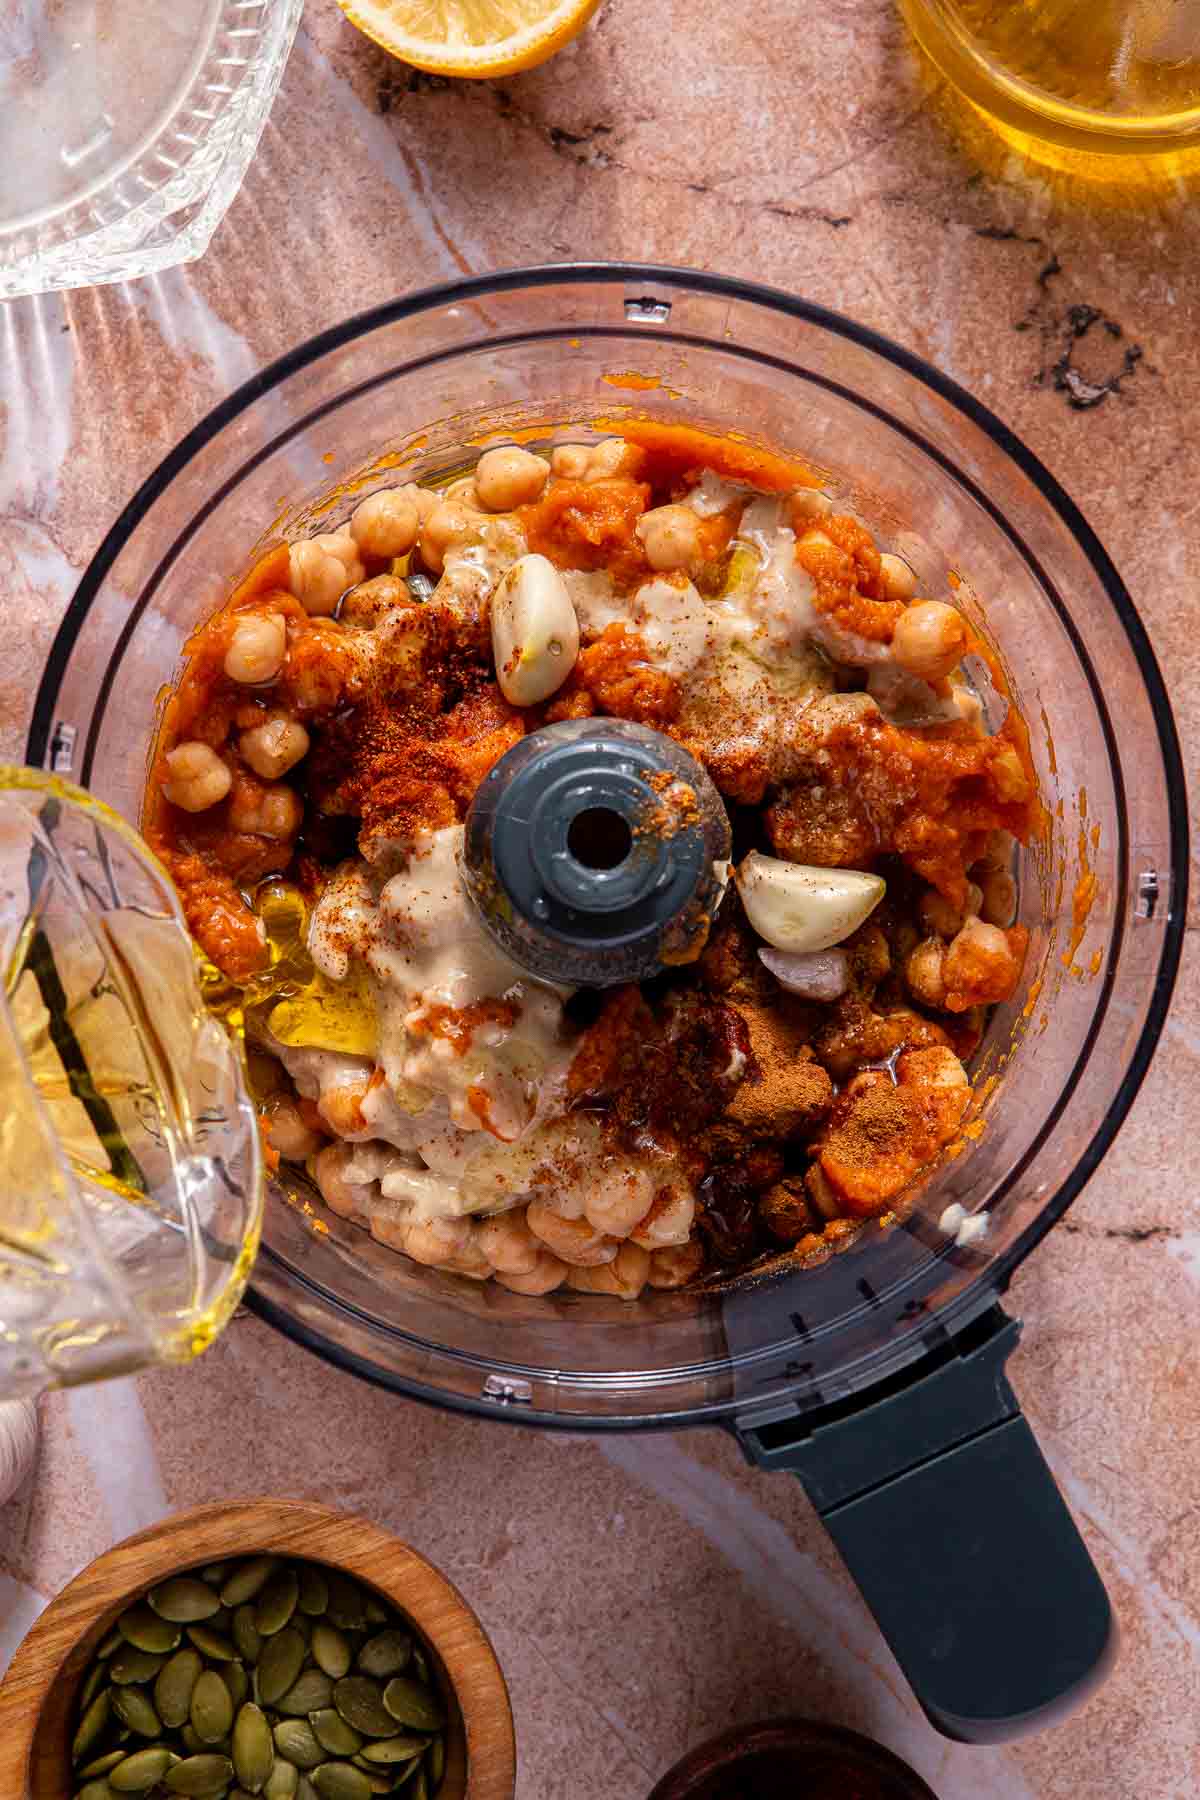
(535, 633)
(797, 907)
(813, 974)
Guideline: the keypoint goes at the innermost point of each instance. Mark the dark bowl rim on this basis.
(663, 276)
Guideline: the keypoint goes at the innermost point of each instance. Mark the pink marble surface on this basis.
(644, 1593)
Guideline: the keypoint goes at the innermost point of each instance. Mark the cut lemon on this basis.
(473, 38)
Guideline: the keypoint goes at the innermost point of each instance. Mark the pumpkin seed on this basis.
(100, 1765)
(129, 1665)
(388, 1784)
(95, 1790)
(421, 1785)
(214, 1644)
(421, 1664)
(341, 1781)
(387, 1653)
(246, 1633)
(314, 1590)
(173, 1688)
(277, 1602)
(247, 1579)
(143, 1770)
(281, 1661)
(394, 1750)
(132, 1706)
(193, 1744)
(296, 1742)
(214, 1573)
(333, 1733)
(360, 1703)
(347, 1603)
(311, 1691)
(410, 1703)
(331, 1651)
(112, 1642)
(200, 1776)
(305, 1790)
(142, 1627)
(237, 1681)
(211, 1710)
(184, 1600)
(282, 1782)
(253, 1749)
(437, 1762)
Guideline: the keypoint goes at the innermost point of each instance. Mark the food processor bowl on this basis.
(879, 1375)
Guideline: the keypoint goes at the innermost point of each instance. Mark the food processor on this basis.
(878, 1377)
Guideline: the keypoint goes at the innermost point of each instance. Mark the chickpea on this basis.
(929, 640)
(625, 1276)
(809, 503)
(447, 524)
(548, 1274)
(896, 578)
(981, 966)
(941, 919)
(508, 1243)
(269, 810)
(670, 536)
(197, 777)
(618, 1197)
(346, 1198)
(1008, 776)
(256, 649)
(821, 1193)
(936, 1066)
(669, 1220)
(570, 461)
(574, 1241)
(611, 456)
(385, 524)
(509, 477)
(287, 1131)
(317, 579)
(341, 544)
(274, 746)
(924, 972)
(998, 902)
(342, 1108)
(676, 1265)
(433, 1242)
(812, 539)
(364, 603)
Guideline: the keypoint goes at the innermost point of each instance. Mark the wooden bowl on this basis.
(38, 1694)
(788, 1756)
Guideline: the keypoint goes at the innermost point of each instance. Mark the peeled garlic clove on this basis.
(535, 634)
(813, 974)
(797, 907)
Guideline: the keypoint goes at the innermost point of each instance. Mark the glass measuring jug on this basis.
(131, 1184)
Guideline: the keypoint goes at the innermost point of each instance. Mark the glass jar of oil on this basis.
(1099, 75)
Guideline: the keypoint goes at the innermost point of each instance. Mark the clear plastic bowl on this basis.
(936, 475)
(126, 127)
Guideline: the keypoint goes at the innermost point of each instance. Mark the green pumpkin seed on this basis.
(237, 1681)
(247, 1579)
(100, 1765)
(195, 1746)
(341, 1781)
(410, 1703)
(246, 1634)
(95, 1790)
(361, 1704)
(213, 1644)
(282, 1782)
(138, 1773)
(296, 1742)
(112, 1642)
(184, 1600)
(420, 1789)
(314, 1590)
(331, 1651)
(305, 1790)
(389, 1783)
(347, 1603)
(132, 1706)
(277, 1602)
(420, 1664)
(173, 1688)
(253, 1749)
(394, 1750)
(333, 1733)
(129, 1665)
(200, 1776)
(311, 1691)
(211, 1710)
(437, 1762)
(142, 1627)
(385, 1654)
(214, 1573)
(93, 1682)
(281, 1661)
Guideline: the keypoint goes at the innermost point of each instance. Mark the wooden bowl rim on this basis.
(247, 1526)
(783, 1734)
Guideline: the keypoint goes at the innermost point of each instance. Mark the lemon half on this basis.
(473, 38)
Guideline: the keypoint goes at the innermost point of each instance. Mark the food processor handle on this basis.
(948, 1518)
